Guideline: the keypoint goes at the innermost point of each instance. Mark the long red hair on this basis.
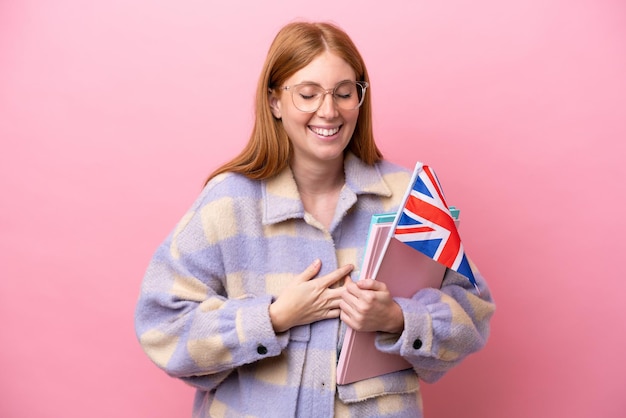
(294, 47)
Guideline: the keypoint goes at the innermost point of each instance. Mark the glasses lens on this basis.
(348, 95)
(307, 97)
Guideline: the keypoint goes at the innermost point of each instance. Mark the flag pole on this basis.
(407, 193)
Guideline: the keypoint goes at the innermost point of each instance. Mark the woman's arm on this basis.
(184, 320)
(442, 326)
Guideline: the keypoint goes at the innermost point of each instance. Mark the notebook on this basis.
(404, 271)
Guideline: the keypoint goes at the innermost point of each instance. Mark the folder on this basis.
(404, 271)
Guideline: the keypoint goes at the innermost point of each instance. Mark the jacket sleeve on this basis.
(185, 319)
(442, 326)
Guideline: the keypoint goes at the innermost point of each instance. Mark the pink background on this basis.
(112, 114)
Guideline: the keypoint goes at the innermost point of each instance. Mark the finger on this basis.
(369, 284)
(333, 293)
(341, 283)
(311, 271)
(339, 274)
(358, 297)
(333, 313)
(350, 297)
(351, 288)
(350, 318)
(346, 308)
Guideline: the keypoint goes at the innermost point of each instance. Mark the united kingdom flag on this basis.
(425, 223)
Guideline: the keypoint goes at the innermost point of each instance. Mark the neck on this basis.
(319, 178)
(319, 186)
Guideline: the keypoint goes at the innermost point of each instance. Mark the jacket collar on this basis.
(281, 200)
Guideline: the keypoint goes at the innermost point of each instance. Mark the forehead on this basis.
(327, 69)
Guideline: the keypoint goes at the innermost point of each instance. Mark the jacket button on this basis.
(417, 344)
(261, 349)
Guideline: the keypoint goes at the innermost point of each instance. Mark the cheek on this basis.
(351, 118)
(295, 118)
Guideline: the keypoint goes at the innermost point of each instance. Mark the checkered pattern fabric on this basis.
(202, 315)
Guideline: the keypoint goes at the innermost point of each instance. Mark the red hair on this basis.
(294, 47)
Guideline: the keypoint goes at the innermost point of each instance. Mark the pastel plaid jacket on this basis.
(202, 315)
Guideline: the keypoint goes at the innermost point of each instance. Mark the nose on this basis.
(328, 109)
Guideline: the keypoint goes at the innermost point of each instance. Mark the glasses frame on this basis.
(363, 84)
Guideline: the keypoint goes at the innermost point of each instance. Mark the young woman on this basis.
(248, 298)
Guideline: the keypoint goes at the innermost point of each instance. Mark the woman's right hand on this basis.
(304, 301)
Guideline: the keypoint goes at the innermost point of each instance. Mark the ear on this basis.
(274, 103)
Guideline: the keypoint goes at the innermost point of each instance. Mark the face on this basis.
(321, 136)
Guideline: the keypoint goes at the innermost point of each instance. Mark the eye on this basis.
(309, 91)
(307, 96)
(345, 90)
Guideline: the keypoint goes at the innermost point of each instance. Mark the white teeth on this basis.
(325, 132)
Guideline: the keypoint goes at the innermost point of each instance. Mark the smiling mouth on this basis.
(325, 132)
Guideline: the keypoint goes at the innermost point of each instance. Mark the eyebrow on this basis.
(318, 84)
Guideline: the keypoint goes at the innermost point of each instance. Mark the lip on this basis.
(325, 132)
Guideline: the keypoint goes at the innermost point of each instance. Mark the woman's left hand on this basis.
(367, 305)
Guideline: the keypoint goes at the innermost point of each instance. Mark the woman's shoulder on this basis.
(230, 184)
(227, 187)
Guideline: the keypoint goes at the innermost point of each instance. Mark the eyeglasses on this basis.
(308, 97)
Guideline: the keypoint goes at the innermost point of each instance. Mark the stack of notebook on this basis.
(405, 271)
